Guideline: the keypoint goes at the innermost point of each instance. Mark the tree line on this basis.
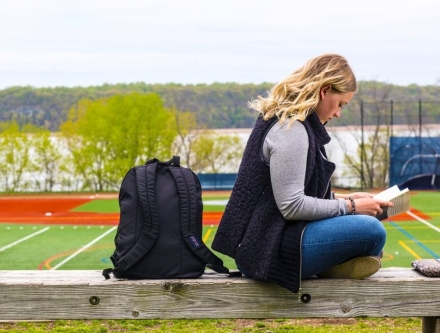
(217, 105)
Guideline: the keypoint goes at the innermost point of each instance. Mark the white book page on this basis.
(388, 193)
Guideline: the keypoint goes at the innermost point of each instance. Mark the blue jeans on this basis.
(330, 242)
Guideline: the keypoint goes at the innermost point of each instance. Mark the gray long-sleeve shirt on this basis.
(285, 150)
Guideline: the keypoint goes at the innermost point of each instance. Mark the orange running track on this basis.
(56, 209)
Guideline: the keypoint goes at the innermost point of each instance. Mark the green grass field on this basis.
(29, 247)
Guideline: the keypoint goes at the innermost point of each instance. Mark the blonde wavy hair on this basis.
(297, 96)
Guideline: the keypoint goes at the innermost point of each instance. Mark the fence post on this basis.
(392, 115)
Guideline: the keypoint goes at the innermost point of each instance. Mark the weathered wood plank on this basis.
(49, 295)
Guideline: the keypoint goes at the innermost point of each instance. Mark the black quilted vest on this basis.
(252, 229)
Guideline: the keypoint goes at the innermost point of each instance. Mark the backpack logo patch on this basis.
(195, 242)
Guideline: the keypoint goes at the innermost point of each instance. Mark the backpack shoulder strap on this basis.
(186, 188)
(145, 180)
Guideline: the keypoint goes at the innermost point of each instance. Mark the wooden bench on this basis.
(51, 295)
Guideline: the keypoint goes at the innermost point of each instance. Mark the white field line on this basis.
(23, 239)
(423, 221)
(215, 202)
(85, 247)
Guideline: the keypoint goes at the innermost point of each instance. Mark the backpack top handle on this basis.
(175, 161)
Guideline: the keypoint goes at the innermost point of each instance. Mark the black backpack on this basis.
(160, 228)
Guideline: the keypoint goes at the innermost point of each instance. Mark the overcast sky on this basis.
(91, 42)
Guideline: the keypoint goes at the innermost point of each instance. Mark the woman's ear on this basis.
(325, 90)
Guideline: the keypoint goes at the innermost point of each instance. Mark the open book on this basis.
(400, 199)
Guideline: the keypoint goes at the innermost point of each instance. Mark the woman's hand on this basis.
(369, 206)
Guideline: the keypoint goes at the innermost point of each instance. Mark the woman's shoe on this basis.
(357, 268)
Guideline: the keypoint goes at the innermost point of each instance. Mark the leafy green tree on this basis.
(370, 163)
(48, 158)
(187, 130)
(15, 157)
(217, 153)
(108, 136)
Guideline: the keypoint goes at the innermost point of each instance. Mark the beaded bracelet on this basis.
(353, 206)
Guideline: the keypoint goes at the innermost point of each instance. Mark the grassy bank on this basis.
(375, 325)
